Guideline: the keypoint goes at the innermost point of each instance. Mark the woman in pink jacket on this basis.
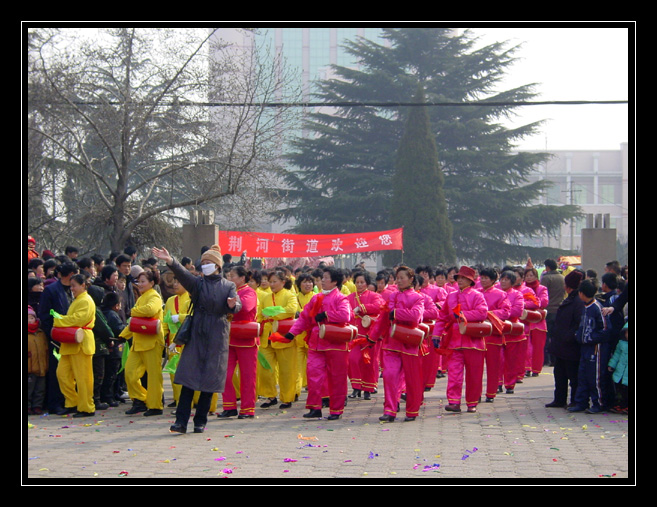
(499, 306)
(363, 357)
(535, 299)
(513, 358)
(327, 360)
(402, 363)
(467, 352)
(428, 353)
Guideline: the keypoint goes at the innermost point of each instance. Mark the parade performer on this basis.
(467, 357)
(327, 359)
(537, 299)
(364, 355)
(305, 292)
(280, 304)
(176, 310)
(75, 368)
(402, 362)
(145, 354)
(512, 352)
(242, 351)
(500, 308)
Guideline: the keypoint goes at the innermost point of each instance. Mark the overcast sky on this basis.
(572, 64)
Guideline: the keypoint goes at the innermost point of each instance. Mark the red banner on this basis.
(267, 244)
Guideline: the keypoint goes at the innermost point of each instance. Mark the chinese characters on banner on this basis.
(265, 244)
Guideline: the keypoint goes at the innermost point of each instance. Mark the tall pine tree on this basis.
(343, 172)
(418, 202)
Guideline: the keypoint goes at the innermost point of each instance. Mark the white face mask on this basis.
(208, 269)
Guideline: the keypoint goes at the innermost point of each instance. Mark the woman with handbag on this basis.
(75, 369)
(204, 359)
(146, 350)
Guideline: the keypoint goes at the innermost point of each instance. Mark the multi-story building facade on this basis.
(596, 181)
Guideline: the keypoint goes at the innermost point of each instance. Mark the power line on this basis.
(365, 104)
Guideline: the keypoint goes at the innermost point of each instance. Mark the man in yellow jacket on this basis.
(75, 368)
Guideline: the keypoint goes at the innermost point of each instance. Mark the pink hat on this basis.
(30, 311)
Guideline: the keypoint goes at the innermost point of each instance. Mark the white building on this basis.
(597, 181)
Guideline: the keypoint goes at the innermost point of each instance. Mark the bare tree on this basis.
(145, 122)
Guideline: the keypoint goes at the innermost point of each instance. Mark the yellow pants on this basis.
(284, 366)
(138, 363)
(75, 375)
(302, 362)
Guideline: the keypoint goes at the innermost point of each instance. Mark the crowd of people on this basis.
(104, 331)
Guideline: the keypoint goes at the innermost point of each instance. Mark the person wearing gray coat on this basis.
(204, 359)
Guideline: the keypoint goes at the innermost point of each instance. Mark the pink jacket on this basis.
(540, 294)
(474, 309)
(436, 293)
(249, 311)
(498, 303)
(370, 303)
(408, 308)
(517, 305)
(338, 311)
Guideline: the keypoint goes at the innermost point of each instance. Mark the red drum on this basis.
(533, 316)
(145, 325)
(337, 333)
(476, 329)
(513, 328)
(67, 334)
(425, 327)
(282, 326)
(244, 329)
(407, 335)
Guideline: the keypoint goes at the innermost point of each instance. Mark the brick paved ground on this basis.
(515, 439)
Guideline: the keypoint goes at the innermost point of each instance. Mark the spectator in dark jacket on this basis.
(563, 346)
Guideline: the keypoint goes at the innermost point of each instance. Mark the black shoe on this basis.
(177, 428)
(84, 414)
(67, 410)
(355, 393)
(387, 418)
(285, 405)
(509, 391)
(227, 413)
(101, 406)
(555, 405)
(313, 413)
(367, 395)
(113, 403)
(137, 406)
(269, 403)
(245, 416)
(333, 417)
(173, 404)
(152, 411)
(489, 400)
(199, 429)
(409, 418)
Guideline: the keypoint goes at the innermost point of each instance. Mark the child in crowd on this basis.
(618, 365)
(593, 337)
(37, 364)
